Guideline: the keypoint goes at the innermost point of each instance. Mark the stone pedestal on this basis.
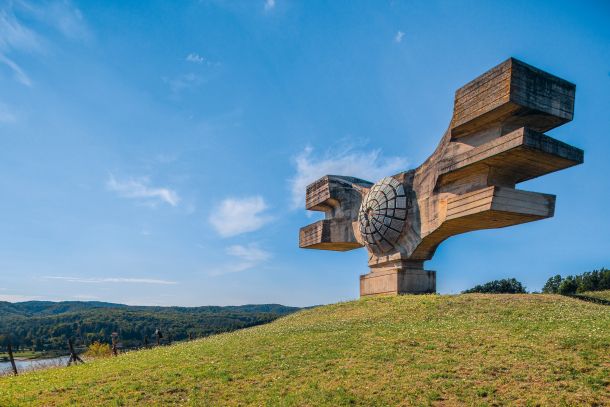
(397, 281)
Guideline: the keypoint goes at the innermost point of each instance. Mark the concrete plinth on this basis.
(397, 281)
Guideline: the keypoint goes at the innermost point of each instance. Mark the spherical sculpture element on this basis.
(382, 215)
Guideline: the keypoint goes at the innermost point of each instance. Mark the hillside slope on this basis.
(46, 325)
(603, 294)
(409, 350)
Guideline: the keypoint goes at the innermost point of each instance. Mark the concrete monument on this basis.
(495, 140)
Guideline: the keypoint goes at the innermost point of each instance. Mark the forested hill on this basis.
(45, 325)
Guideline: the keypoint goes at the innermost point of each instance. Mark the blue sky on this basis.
(129, 131)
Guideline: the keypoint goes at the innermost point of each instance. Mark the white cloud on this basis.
(18, 298)
(235, 216)
(269, 4)
(251, 253)
(194, 57)
(105, 280)
(370, 166)
(398, 37)
(140, 189)
(198, 59)
(247, 257)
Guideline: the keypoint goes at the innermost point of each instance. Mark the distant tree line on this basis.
(504, 286)
(595, 280)
(46, 326)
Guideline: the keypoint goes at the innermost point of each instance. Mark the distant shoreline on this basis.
(25, 356)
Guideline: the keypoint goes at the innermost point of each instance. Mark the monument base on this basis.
(397, 281)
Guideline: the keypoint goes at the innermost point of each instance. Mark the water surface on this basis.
(24, 365)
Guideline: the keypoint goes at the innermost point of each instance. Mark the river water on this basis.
(24, 365)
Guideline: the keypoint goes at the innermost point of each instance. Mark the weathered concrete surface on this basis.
(495, 140)
(339, 198)
(394, 281)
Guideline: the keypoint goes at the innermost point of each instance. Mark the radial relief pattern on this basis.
(382, 215)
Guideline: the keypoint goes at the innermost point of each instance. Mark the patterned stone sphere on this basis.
(382, 215)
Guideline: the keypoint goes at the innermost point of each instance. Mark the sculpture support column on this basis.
(399, 277)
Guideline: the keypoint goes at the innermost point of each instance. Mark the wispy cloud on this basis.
(110, 280)
(194, 57)
(269, 4)
(398, 37)
(64, 17)
(14, 35)
(17, 37)
(189, 81)
(370, 165)
(245, 258)
(250, 253)
(140, 188)
(18, 73)
(200, 60)
(235, 216)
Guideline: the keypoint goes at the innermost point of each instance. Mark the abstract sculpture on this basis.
(495, 140)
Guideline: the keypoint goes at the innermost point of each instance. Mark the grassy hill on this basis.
(407, 350)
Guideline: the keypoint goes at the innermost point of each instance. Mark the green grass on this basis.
(604, 294)
(407, 350)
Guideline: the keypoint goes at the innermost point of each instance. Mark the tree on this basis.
(595, 280)
(504, 286)
(4, 341)
(588, 281)
(47, 326)
(552, 285)
(604, 279)
(568, 286)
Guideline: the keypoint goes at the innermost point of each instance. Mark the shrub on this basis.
(504, 286)
(98, 350)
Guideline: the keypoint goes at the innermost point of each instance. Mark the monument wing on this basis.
(339, 198)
